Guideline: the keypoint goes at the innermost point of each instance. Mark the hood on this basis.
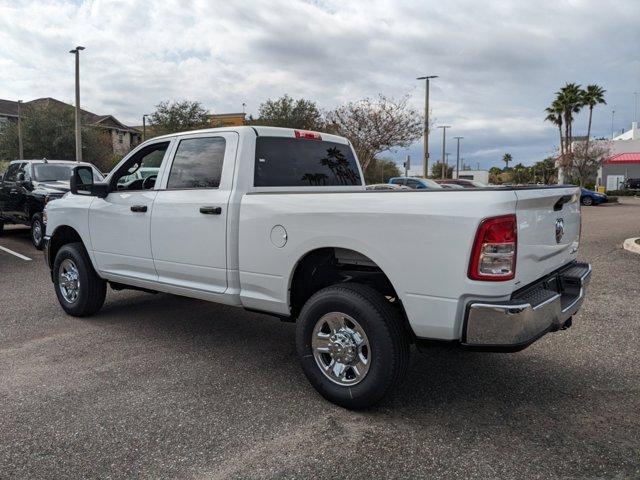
(54, 186)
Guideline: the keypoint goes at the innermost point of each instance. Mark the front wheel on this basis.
(37, 231)
(587, 201)
(79, 289)
(352, 345)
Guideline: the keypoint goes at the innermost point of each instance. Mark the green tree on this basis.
(522, 174)
(375, 126)
(571, 99)
(506, 158)
(592, 96)
(545, 170)
(380, 171)
(436, 171)
(494, 175)
(554, 115)
(178, 116)
(49, 132)
(289, 113)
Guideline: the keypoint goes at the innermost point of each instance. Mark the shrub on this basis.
(624, 193)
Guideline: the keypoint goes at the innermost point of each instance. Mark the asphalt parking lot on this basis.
(157, 386)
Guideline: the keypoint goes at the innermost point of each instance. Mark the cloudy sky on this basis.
(499, 62)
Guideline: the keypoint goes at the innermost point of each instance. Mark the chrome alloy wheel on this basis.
(341, 348)
(69, 280)
(37, 232)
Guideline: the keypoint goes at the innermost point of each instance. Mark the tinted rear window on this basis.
(294, 162)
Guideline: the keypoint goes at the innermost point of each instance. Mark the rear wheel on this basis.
(37, 231)
(587, 201)
(79, 289)
(352, 345)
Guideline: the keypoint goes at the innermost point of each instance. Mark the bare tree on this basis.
(376, 125)
(586, 159)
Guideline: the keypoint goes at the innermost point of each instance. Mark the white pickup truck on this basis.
(279, 221)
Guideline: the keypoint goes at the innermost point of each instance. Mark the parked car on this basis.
(464, 183)
(451, 186)
(632, 184)
(589, 197)
(279, 221)
(386, 186)
(414, 182)
(28, 185)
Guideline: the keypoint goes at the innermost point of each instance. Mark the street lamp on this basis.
(144, 126)
(76, 52)
(613, 114)
(444, 143)
(458, 157)
(425, 156)
(20, 148)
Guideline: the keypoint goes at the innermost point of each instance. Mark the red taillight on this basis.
(493, 257)
(307, 135)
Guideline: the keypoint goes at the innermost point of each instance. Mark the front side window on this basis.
(148, 160)
(12, 172)
(198, 163)
(296, 162)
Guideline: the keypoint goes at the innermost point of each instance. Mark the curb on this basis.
(631, 245)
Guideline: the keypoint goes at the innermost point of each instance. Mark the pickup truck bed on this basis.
(279, 221)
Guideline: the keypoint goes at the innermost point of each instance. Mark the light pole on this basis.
(613, 114)
(76, 52)
(635, 106)
(458, 157)
(425, 154)
(20, 148)
(444, 144)
(144, 126)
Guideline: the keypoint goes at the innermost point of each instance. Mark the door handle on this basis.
(138, 208)
(211, 210)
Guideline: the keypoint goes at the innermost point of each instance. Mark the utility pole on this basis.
(76, 52)
(144, 126)
(444, 144)
(613, 114)
(425, 154)
(635, 106)
(20, 148)
(407, 165)
(458, 157)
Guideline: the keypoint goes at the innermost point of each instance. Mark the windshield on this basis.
(51, 172)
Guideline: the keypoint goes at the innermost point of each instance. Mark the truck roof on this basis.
(47, 160)
(263, 131)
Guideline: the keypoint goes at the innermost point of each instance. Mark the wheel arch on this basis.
(61, 236)
(321, 267)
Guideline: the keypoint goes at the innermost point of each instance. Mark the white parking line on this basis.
(19, 255)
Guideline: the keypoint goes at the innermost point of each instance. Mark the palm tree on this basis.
(554, 115)
(592, 96)
(506, 158)
(571, 99)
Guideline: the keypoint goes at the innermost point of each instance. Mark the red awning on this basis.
(631, 157)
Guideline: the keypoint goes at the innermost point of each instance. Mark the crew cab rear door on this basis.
(189, 218)
(548, 230)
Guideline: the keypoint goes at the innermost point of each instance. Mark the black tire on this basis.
(383, 326)
(92, 289)
(587, 201)
(37, 231)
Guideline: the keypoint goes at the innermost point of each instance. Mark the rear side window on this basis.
(198, 163)
(295, 162)
(398, 181)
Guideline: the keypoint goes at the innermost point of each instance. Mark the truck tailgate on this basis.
(548, 231)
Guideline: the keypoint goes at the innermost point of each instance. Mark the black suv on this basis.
(27, 186)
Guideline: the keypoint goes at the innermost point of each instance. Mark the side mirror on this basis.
(82, 183)
(1, 177)
(20, 177)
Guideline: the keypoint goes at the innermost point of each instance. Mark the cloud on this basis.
(499, 62)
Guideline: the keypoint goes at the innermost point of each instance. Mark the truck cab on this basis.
(279, 221)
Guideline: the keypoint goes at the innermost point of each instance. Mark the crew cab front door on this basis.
(10, 194)
(120, 223)
(190, 213)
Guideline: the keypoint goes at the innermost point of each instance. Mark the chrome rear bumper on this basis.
(545, 306)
